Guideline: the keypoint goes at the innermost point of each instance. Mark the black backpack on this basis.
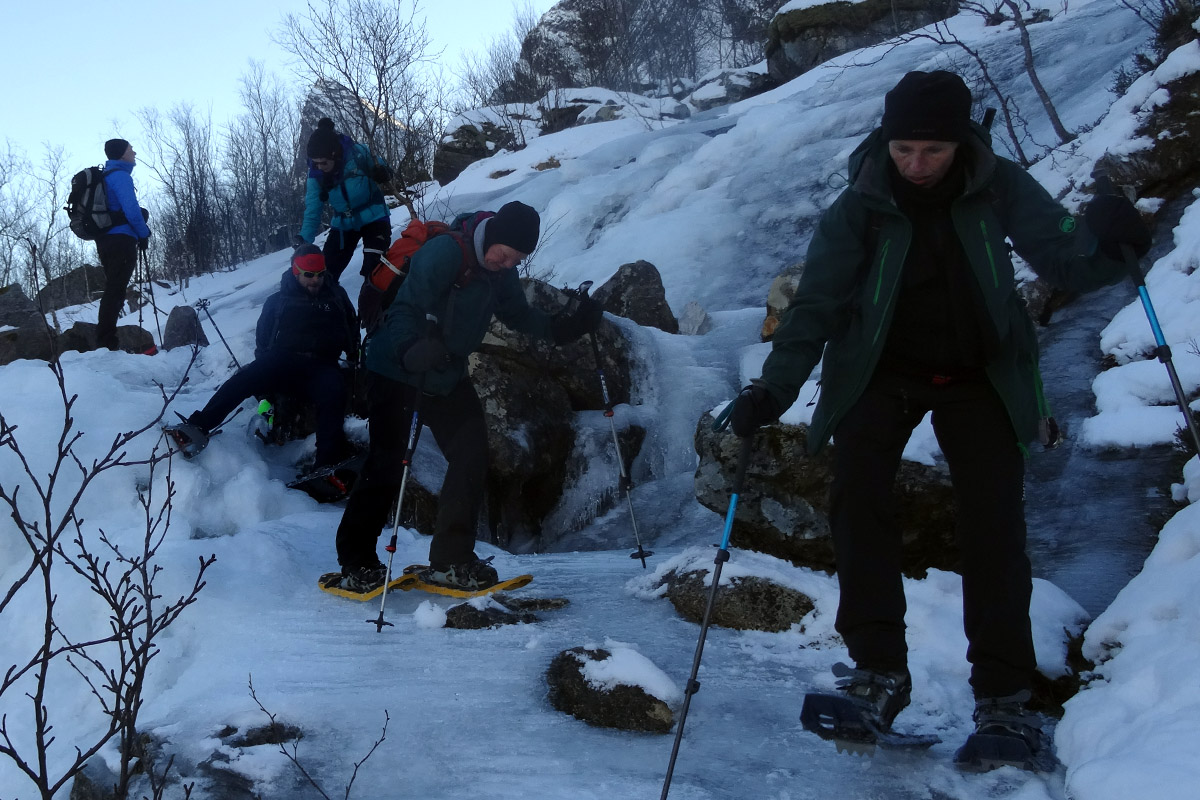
(87, 205)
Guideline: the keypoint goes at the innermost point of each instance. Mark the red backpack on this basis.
(392, 268)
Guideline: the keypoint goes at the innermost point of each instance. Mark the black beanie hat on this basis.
(115, 148)
(933, 106)
(516, 225)
(324, 142)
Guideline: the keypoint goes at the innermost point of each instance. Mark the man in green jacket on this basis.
(908, 299)
(455, 284)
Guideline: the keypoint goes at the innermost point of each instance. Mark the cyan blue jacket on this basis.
(356, 199)
(118, 189)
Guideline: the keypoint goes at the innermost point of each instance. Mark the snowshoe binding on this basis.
(186, 438)
(860, 716)
(331, 483)
(1006, 734)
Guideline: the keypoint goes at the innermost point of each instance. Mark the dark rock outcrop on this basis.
(782, 508)
(747, 604)
(800, 39)
(636, 292)
(183, 328)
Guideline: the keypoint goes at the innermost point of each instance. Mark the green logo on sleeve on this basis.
(1066, 224)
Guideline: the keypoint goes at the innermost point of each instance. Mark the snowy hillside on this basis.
(720, 204)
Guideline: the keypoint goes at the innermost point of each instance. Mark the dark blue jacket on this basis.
(321, 326)
(118, 188)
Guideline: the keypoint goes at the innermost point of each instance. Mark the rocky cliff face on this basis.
(801, 39)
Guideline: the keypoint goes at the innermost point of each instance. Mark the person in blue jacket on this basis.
(346, 175)
(118, 247)
(302, 330)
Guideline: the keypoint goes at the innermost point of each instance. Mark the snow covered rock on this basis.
(599, 686)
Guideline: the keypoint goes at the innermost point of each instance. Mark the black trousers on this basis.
(457, 424)
(339, 246)
(319, 382)
(118, 257)
(987, 470)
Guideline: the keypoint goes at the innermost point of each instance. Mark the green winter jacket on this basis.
(844, 302)
(463, 314)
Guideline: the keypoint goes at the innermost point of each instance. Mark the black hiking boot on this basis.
(1006, 734)
(187, 437)
(879, 695)
(363, 579)
(470, 576)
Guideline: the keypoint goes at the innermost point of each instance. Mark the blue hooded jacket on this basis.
(118, 187)
(356, 199)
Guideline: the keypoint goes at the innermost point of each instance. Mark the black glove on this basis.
(752, 409)
(1114, 222)
(145, 215)
(381, 173)
(144, 244)
(370, 306)
(583, 320)
(426, 354)
(297, 241)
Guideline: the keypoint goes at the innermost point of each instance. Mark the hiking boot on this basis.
(469, 575)
(1009, 716)
(364, 579)
(880, 695)
(1006, 734)
(187, 437)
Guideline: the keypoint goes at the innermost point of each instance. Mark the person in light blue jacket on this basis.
(118, 247)
(346, 175)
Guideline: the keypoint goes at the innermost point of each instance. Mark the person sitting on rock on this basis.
(302, 331)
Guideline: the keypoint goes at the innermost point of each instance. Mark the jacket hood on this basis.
(117, 164)
(868, 164)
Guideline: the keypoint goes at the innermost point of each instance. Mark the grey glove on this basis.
(426, 354)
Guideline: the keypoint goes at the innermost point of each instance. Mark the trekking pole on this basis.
(145, 259)
(414, 433)
(693, 685)
(202, 304)
(626, 483)
(1104, 185)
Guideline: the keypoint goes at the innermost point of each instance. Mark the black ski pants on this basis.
(319, 382)
(118, 257)
(457, 424)
(339, 246)
(987, 471)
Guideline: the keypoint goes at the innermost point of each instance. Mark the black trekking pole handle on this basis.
(202, 304)
(1104, 185)
(414, 434)
(693, 686)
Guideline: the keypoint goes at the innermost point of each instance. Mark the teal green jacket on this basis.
(463, 314)
(846, 296)
(354, 196)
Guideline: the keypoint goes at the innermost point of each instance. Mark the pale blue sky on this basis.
(76, 69)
